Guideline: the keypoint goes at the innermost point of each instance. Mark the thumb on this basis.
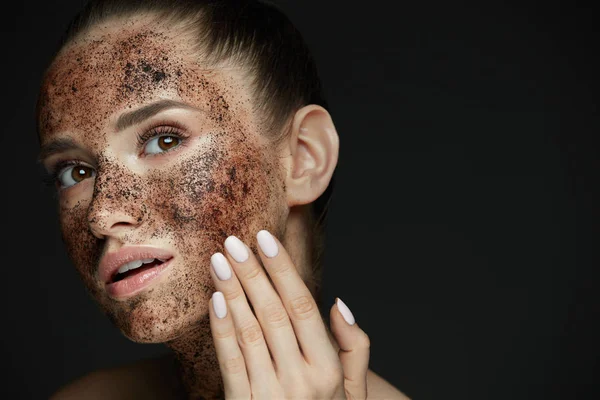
(354, 349)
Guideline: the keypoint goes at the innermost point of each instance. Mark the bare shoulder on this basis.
(143, 379)
(378, 388)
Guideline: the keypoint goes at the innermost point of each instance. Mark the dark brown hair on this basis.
(260, 38)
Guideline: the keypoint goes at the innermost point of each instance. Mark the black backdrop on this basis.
(464, 221)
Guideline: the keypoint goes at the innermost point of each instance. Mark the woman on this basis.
(190, 147)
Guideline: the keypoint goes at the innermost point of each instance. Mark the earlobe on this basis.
(314, 147)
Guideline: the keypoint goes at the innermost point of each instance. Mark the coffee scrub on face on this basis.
(219, 177)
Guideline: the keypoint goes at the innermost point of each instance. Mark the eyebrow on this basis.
(56, 146)
(138, 116)
(124, 121)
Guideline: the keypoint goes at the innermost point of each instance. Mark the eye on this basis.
(161, 144)
(74, 174)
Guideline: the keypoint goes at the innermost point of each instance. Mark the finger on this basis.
(231, 360)
(298, 301)
(269, 309)
(354, 349)
(250, 338)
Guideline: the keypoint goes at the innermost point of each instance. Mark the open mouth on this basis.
(135, 267)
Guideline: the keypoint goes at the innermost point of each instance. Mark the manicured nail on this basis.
(236, 248)
(219, 304)
(345, 311)
(267, 243)
(220, 266)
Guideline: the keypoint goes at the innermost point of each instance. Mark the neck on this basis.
(197, 364)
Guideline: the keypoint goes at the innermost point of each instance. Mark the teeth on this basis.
(134, 264)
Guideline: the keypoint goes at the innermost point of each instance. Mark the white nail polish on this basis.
(345, 311)
(221, 266)
(236, 248)
(219, 304)
(267, 243)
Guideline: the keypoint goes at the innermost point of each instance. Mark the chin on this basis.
(160, 317)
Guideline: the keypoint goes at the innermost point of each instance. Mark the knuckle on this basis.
(275, 315)
(251, 274)
(303, 307)
(364, 341)
(220, 334)
(234, 365)
(251, 334)
(233, 294)
(280, 269)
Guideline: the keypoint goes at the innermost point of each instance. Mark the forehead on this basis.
(121, 66)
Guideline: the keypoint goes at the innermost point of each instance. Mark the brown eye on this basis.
(161, 144)
(167, 142)
(74, 174)
(80, 173)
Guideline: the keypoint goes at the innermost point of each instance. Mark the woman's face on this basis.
(166, 183)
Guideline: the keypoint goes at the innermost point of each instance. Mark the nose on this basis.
(116, 209)
(106, 223)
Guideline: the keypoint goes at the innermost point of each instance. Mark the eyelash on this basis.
(162, 130)
(51, 177)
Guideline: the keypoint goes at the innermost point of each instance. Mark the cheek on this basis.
(219, 193)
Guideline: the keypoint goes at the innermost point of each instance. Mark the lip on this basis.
(111, 262)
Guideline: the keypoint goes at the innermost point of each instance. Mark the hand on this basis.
(286, 353)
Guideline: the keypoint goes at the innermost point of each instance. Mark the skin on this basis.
(223, 178)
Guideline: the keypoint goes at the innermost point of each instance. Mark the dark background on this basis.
(463, 227)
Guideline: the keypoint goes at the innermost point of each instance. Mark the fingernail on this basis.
(219, 304)
(345, 311)
(267, 243)
(236, 248)
(220, 266)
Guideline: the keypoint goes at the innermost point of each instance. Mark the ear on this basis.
(313, 154)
